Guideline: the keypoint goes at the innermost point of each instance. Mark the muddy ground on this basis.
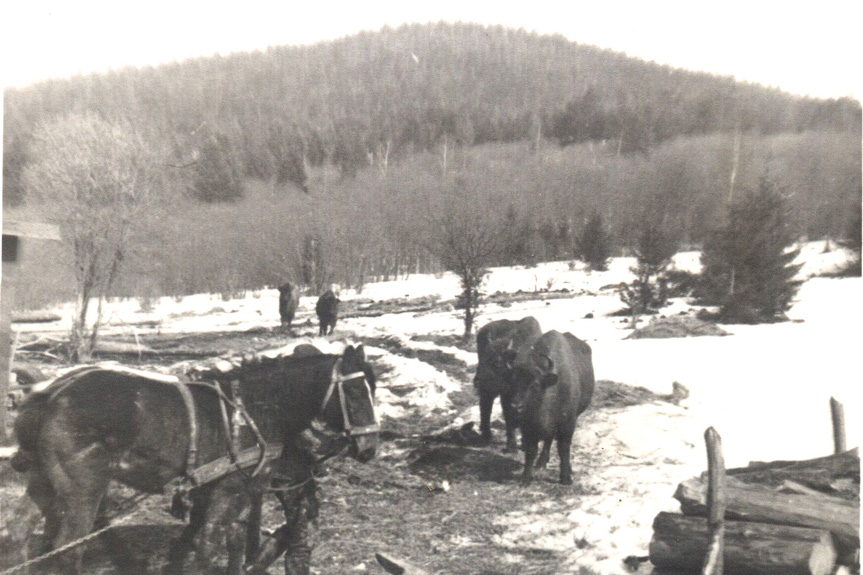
(435, 495)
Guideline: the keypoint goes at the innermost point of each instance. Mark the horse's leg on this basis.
(253, 533)
(226, 517)
(182, 546)
(39, 489)
(80, 477)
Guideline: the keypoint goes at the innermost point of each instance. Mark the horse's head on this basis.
(348, 405)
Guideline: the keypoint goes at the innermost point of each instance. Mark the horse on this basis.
(99, 424)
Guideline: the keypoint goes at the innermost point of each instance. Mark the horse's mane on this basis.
(249, 366)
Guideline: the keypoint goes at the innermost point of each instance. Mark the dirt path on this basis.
(437, 497)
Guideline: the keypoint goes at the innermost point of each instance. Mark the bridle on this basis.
(337, 381)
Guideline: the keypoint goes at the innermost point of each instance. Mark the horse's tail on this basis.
(27, 427)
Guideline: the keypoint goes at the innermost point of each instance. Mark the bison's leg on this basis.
(531, 447)
(564, 442)
(486, 401)
(509, 417)
(543, 456)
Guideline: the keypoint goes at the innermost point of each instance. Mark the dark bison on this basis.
(554, 385)
(289, 300)
(498, 344)
(327, 309)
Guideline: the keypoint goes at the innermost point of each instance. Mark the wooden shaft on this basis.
(837, 410)
(713, 561)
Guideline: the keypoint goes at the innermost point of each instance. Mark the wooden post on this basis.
(837, 410)
(713, 562)
(7, 298)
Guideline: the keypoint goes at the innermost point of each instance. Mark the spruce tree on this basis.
(655, 246)
(593, 245)
(747, 266)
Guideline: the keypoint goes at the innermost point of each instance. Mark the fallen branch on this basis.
(397, 566)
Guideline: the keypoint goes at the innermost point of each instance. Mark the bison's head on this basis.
(532, 374)
(498, 364)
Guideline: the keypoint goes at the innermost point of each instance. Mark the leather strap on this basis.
(192, 457)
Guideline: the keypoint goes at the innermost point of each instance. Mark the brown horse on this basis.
(96, 425)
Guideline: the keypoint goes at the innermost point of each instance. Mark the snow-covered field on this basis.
(765, 388)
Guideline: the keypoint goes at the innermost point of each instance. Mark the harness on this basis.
(262, 452)
(258, 455)
(337, 381)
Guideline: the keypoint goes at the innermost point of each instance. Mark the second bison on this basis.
(497, 345)
(289, 301)
(327, 309)
(554, 384)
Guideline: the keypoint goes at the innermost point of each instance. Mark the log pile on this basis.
(794, 517)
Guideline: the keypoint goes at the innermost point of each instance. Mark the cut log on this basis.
(757, 503)
(823, 474)
(794, 487)
(680, 543)
(35, 316)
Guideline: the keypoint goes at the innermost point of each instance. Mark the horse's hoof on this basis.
(566, 480)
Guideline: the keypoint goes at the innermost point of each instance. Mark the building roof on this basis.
(31, 230)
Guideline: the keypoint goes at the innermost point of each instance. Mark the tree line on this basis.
(385, 154)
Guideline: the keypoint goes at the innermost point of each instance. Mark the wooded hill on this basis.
(537, 131)
(375, 97)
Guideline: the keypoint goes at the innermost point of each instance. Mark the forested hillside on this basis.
(372, 125)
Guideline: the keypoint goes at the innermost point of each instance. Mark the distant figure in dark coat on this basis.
(289, 300)
(327, 309)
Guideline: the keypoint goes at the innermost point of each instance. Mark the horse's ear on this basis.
(361, 352)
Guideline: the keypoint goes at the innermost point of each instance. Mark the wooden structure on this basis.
(795, 517)
(13, 252)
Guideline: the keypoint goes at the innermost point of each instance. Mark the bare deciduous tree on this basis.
(465, 235)
(97, 180)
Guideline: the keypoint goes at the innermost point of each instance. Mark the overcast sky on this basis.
(809, 48)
